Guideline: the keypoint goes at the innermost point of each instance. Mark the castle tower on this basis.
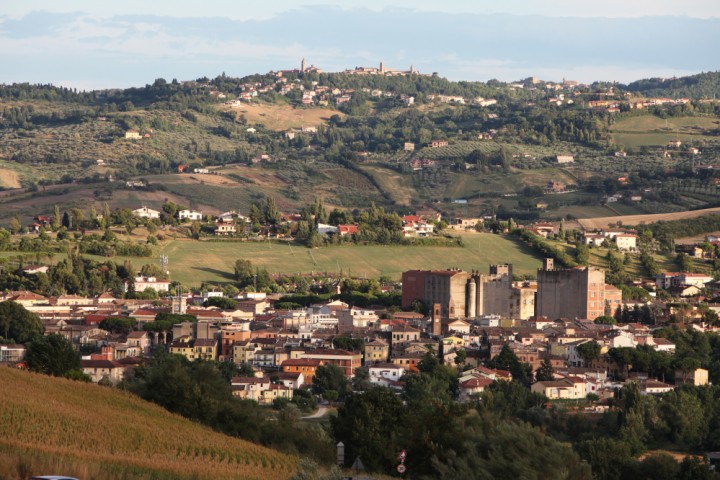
(303, 66)
(382, 67)
(471, 298)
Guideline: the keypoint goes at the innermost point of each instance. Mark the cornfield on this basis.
(49, 425)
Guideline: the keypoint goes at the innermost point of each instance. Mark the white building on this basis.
(144, 283)
(145, 212)
(191, 215)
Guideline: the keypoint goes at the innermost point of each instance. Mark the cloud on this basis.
(133, 49)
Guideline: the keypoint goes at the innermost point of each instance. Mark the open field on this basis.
(52, 425)
(192, 262)
(396, 185)
(604, 222)
(9, 178)
(282, 117)
(467, 184)
(654, 131)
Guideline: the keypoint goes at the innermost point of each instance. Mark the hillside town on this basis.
(466, 319)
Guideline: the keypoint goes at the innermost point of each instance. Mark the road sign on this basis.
(402, 455)
(401, 468)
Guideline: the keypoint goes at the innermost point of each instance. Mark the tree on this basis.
(243, 272)
(271, 215)
(582, 254)
(368, 424)
(122, 325)
(508, 360)
(589, 351)
(52, 355)
(222, 302)
(605, 320)
(330, 377)
(18, 324)
(15, 225)
(545, 371)
(361, 379)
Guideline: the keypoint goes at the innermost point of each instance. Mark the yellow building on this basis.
(377, 351)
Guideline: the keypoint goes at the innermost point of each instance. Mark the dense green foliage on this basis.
(702, 85)
(198, 391)
(53, 355)
(17, 324)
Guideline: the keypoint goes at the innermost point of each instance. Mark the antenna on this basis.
(164, 262)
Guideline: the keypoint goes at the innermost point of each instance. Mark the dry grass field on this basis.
(282, 117)
(604, 222)
(52, 425)
(9, 178)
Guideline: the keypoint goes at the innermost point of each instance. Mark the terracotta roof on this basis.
(476, 383)
(301, 362)
(99, 364)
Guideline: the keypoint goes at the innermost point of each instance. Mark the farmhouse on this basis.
(564, 159)
(145, 212)
(190, 215)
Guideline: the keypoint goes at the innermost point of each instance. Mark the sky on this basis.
(90, 45)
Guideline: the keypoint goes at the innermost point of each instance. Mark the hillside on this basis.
(50, 426)
(353, 140)
(702, 85)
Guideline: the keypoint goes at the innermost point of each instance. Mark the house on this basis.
(205, 349)
(291, 379)
(386, 374)
(132, 135)
(626, 242)
(225, 228)
(12, 353)
(438, 143)
(305, 366)
(144, 283)
(191, 215)
(697, 377)
(347, 361)
(261, 390)
(570, 388)
(145, 212)
(473, 387)
(404, 335)
(409, 147)
(654, 387)
(141, 340)
(34, 269)
(376, 351)
(347, 230)
(98, 369)
(564, 159)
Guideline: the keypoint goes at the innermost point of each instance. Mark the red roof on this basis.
(348, 229)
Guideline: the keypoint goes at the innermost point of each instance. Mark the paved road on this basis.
(320, 413)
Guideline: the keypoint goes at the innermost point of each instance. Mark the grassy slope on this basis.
(655, 131)
(50, 425)
(191, 262)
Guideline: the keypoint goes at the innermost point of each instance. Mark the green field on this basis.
(192, 262)
(650, 130)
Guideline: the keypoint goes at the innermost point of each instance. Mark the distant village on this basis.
(465, 318)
